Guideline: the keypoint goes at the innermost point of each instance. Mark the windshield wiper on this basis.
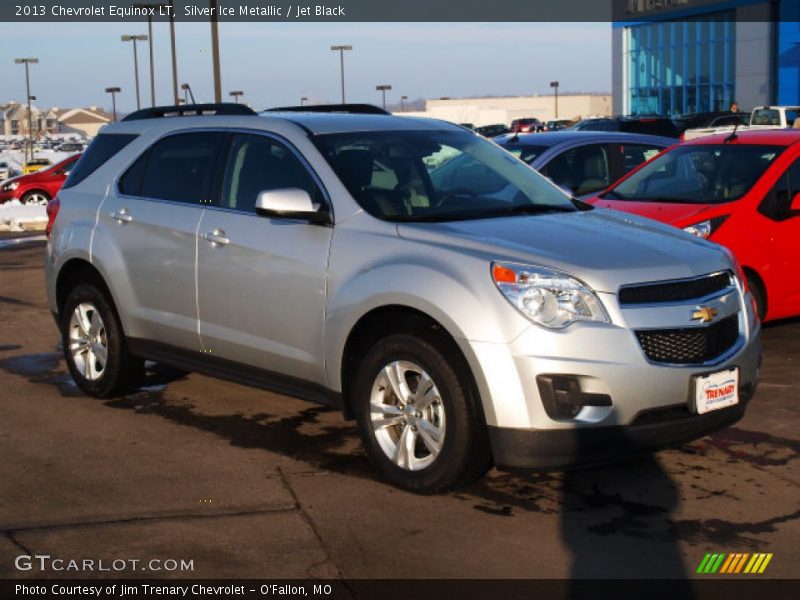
(528, 209)
(613, 194)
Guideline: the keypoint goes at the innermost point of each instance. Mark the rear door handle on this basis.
(216, 237)
(122, 216)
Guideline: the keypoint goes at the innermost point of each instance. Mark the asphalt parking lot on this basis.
(250, 484)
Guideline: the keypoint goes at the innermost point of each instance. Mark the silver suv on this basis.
(464, 312)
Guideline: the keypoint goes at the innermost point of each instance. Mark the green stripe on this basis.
(711, 562)
(718, 563)
(703, 564)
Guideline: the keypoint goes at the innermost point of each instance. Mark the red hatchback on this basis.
(39, 187)
(740, 191)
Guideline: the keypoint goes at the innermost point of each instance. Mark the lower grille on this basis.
(690, 345)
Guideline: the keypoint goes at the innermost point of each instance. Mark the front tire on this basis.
(35, 198)
(94, 345)
(755, 287)
(419, 416)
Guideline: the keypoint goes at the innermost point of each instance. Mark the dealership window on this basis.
(681, 67)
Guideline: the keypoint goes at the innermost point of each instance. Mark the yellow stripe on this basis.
(765, 563)
(724, 568)
(741, 562)
(752, 562)
(761, 558)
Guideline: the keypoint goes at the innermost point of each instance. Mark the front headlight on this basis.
(547, 297)
(10, 186)
(704, 229)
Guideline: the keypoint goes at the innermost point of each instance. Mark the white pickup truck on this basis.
(762, 117)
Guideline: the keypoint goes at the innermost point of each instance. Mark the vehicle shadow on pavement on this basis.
(619, 520)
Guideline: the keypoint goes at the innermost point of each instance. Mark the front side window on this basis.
(257, 163)
(699, 174)
(583, 169)
(178, 168)
(436, 176)
(777, 204)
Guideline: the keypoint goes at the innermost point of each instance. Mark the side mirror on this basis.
(795, 206)
(290, 203)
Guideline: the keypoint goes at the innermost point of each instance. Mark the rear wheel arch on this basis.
(75, 272)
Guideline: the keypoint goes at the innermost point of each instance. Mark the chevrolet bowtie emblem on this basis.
(704, 314)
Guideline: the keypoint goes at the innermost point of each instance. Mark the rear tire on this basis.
(419, 416)
(95, 349)
(755, 287)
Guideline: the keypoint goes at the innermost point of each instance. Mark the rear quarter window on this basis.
(102, 148)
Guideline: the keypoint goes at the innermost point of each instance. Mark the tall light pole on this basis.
(26, 62)
(236, 94)
(113, 91)
(215, 52)
(403, 103)
(341, 50)
(134, 39)
(187, 91)
(150, 45)
(554, 85)
(174, 55)
(382, 88)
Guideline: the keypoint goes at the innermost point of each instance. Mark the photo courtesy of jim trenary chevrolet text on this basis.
(364, 299)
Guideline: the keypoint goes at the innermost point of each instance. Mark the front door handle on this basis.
(216, 237)
(122, 216)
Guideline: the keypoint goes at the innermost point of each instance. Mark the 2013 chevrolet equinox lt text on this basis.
(464, 317)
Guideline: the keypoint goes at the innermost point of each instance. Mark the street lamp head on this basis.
(342, 47)
(138, 38)
(184, 86)
(237, 93)
(31, 61)
(383, 87)
(113, 90)
(554, 84)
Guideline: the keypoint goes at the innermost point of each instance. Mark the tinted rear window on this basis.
(97, 154)
(179, 168)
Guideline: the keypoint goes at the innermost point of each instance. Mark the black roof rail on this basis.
(355, 109)
(190, 110)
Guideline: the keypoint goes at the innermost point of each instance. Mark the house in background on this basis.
(14, 119)
(85, 122)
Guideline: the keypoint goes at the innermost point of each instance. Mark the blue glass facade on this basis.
(681, 67)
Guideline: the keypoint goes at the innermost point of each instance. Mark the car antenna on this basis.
(733, 135)
(515, 137)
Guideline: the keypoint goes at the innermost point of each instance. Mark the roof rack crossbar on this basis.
(190, 110)
(357, 109)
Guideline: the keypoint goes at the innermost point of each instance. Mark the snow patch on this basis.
(15, 216)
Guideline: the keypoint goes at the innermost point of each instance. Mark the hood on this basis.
(676, 213)
(605, 249)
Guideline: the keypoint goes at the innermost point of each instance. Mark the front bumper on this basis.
(629, 402)
(542, 450)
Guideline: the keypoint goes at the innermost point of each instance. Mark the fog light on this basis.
(563, 398)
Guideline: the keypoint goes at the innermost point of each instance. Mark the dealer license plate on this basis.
(716, 391)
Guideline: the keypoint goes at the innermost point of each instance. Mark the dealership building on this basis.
(674, 57)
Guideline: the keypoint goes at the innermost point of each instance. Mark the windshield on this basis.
(436, 176)
(698, 174)
(526, 154)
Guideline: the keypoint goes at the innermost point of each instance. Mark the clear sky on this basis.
(276, 64)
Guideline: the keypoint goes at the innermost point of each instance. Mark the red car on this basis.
(526, 125)
(741, 191)
(39, 187)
